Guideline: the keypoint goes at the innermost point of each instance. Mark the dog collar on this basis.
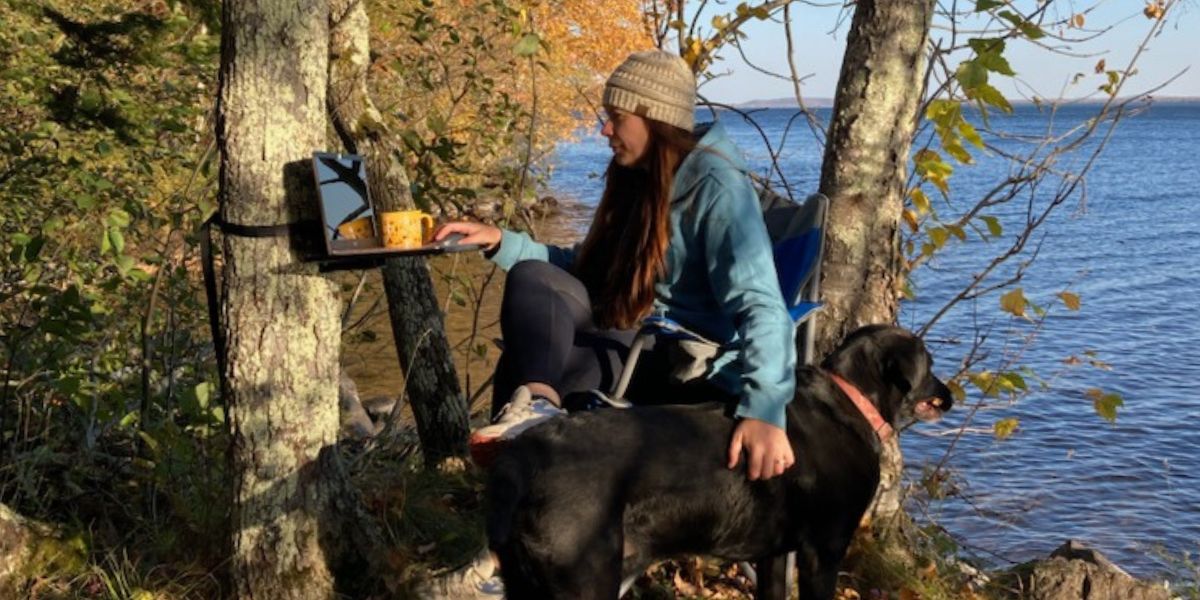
(868, 410)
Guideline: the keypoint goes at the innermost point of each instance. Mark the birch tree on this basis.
(280, 317)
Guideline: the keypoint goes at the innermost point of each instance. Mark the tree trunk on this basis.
(280, 317)
(863, 174)
(431, 383)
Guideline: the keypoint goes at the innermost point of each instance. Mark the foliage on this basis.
(1003, 226)
(480, 91)
(102, 342)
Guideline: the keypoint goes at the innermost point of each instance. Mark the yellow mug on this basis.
(357, 229)
(406, 228)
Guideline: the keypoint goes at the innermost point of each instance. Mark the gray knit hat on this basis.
(656, 85)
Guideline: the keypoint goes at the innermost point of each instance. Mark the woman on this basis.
(677, 232)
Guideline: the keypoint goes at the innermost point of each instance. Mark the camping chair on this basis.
(797, 233)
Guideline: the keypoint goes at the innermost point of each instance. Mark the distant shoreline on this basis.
(828, 102)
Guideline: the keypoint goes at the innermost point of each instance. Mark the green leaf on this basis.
(85, 201)
(920, 200)
(1011, 17)
(129, 419)
(941, 111)
(1004, 428)
(1014, 302)
(118, 218)
(982, 5)
(955, 149)
(969, 133)
(1014, 381)
(987, 45)
(990, 95)
(993, 225)
(995, 63)
(1031, 31)
(528, 45)
(971, 75)
(985, 381)
(150, 442)
(116, 240)
(939, 236)
(203, 392)
(957, 391)
(1106, 405)
(957, 232)
(124, 263)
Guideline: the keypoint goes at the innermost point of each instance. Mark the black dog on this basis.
(577, 503)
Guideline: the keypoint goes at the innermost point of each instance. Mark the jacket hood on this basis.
(714, 152)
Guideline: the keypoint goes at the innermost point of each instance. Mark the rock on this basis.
(1076, 572)
(356, 423)
(544, 206)
(31, 548)
(379, 407)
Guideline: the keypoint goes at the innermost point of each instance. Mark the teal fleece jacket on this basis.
(720, 276)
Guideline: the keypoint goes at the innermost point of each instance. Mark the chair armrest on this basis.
(804, 311)
(662, 326)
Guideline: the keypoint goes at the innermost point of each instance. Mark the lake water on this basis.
(1130, 250)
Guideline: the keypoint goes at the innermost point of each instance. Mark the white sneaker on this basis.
(522, 412)
(478, 580)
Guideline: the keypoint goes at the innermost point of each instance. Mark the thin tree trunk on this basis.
(280, 317)
(431, 383)
(863, 173)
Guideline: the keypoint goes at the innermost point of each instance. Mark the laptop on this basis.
(348, 222)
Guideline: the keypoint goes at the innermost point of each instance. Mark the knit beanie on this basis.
(656, 85)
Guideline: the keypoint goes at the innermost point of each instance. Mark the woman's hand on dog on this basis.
(768, 452)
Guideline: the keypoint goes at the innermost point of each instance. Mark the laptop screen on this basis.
(347, 217)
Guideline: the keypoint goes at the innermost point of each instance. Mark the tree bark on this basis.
(863, 173)
(418, 329)
(280, 317)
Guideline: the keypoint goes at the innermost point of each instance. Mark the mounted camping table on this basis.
(352, 233)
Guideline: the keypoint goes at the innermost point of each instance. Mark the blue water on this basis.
(1127, 243)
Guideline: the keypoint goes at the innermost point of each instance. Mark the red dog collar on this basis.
(868, 410)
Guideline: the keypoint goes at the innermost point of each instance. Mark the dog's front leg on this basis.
(772, 578)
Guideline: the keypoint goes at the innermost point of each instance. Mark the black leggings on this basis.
(549, 337)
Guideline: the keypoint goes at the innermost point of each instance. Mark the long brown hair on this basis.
(625, 250)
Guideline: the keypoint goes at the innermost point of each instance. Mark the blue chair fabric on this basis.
(797, 232)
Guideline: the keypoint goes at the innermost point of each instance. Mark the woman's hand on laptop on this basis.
(487, 236)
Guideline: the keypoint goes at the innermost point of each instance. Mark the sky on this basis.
(820, 33)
